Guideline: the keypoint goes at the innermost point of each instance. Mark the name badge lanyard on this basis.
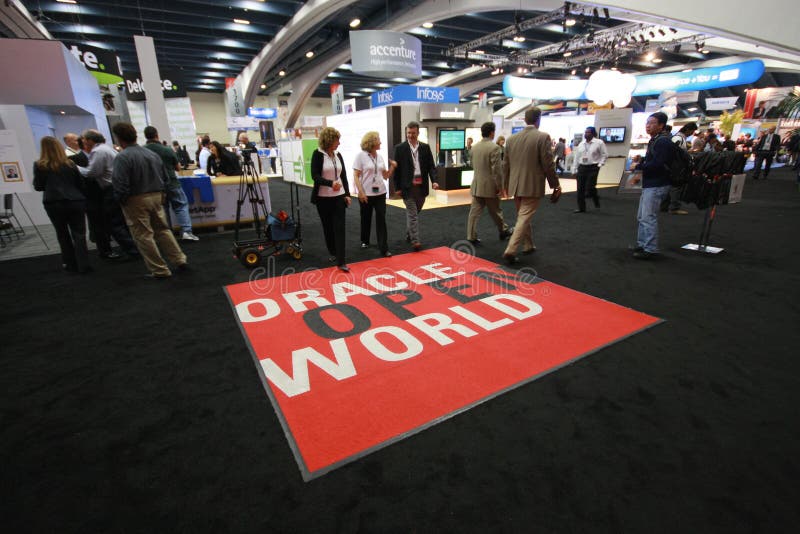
(335, 168)
(415, 158)
(375, 163)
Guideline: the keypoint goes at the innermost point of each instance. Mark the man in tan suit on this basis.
(487, 184)
(528, 162)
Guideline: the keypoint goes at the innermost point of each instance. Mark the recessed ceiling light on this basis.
(241, 21)
(705, 51)
(310, 54)
(67, 2)
(62, 111)
(478, 52)
(570, 22)
(519, 39)
(427, 25)
(263, 86)
(282, 73)
(355, 23)
(691, 109)
(567, 53)
(650, 56)
(573, 72)
(657, 60)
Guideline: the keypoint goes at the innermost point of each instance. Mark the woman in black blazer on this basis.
(223, 161)
(64, 201)
(331, 193)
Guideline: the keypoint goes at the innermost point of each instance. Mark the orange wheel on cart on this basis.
(250, 257)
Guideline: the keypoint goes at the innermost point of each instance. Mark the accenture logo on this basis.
(399, 51)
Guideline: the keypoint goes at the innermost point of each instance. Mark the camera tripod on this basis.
(250, 191)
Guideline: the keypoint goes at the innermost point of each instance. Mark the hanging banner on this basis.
(652, 105)
(416, 93)
(386, 54)
(717, 104)
(102, 64)
(234, 98)
(171, 85)
(700, 79)
(688, 97)
(337, 98)
(262, 113)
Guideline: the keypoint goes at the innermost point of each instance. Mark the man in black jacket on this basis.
(415, 166)
(766, 149)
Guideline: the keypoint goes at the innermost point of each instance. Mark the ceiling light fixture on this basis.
(657, 60)
(573, 71)
(241, 21)
(67, 2)
(519, 39)
(427, 25)
(650, 56)
(355, 23)
(310, 54)
(606, 14)
(705, 51)
(282, 73)
(570, 22)
(263, 86)
(567, 53)
(587, 69)
(673, 30)
(662, 32)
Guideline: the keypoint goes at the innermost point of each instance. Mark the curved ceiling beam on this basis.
(471, 87)
(430, 10)
(311, 14)
(452, 77)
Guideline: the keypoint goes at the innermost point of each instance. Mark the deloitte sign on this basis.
(416, 93)
(385, 54)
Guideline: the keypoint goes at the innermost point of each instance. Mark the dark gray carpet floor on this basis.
(134, 406)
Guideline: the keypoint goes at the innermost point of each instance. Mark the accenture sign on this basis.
(385, 54)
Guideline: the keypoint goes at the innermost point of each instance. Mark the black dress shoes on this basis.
(474, 241)
(579, 211)
(506, 234)
(510, 259)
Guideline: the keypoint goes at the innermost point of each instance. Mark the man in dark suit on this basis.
(766, 149)
(529, 161)
(415, 167)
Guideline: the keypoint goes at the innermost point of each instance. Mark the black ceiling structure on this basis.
(202, 39)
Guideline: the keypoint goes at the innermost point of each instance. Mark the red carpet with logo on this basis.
(353, 362)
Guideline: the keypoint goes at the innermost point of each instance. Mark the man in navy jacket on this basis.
(655, 184)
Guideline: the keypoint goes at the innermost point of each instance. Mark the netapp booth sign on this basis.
(171, 85)
(385, 54)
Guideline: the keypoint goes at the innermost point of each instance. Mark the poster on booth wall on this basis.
(15, 173)
(763, 103)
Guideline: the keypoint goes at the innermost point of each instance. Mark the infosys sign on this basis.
(385, 54)
(416, 93)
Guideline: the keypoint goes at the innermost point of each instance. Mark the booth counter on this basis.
(212, 201)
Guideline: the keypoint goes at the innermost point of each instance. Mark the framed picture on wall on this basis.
(11, 171)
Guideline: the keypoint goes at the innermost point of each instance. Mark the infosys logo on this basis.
(385, 97)
(428, 94)
(393, 51)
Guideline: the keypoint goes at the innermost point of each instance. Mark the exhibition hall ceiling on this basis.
(208, 41)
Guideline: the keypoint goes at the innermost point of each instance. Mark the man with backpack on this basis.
(656, 183)
(672, 203)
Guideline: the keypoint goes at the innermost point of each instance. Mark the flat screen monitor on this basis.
(452, 139)
(612, 134)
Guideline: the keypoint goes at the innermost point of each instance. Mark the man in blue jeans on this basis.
(656, 184)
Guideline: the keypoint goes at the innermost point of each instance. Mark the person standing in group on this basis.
(415, 170)
(656, 183)
(203, 153)
(74, 150)
(175, 195)
(64, 201)
(561, 154)
(104, 212)
(139, 181)
(331, 194)
(501, 142)
(529, 161)
(487, 184)
(672, 203)
(370, 172)
(765, 150)
(590, 155)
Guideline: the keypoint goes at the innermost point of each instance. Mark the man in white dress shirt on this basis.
(590, 155)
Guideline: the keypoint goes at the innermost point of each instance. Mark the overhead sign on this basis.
(171, 85)
(242, 123)
(337, 98)
(416, 93)
(262, 113)
(700, 79)
(234, 98)
(385, 54)
(648, 84)
(717, 104)
(102, 64)
(354, 362)
(687, 97)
